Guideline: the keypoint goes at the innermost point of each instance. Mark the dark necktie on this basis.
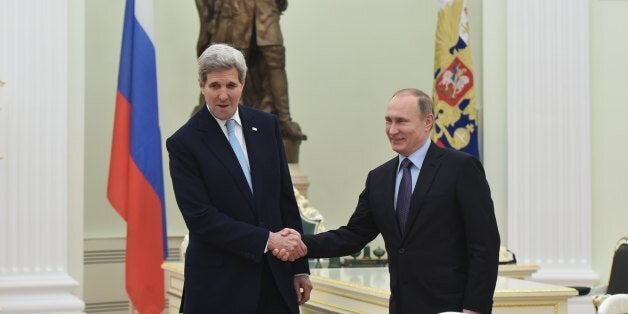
(405, 194)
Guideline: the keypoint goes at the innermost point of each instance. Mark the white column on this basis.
(34, 171)
(549, 193)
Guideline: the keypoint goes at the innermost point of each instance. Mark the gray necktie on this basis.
(237, 149)
(405, 194)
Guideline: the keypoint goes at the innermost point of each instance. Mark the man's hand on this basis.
(303, 287)
(286, 245)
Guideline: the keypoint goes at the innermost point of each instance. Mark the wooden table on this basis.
(366, 290)
(173, 271)
(517, 271)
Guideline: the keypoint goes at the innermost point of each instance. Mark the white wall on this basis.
(609, 109)
(176, 29)
(103, 31)
(494, 116)
(344, 60)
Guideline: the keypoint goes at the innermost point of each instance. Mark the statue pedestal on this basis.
(299, 180)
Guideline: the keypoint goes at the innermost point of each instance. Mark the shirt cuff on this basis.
(267, 240)
(302, 274)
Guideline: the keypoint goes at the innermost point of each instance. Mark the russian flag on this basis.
(136, 188)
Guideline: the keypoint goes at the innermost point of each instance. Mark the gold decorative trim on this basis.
(386, 292)
(352, 285)
(597, 301)
(174, 266)
(309, 214)
(334, 306)
(621, 241)
(173, 294)
(520, 266)
(536, 290)
(518, 270)
(173, 287)
(352, 297)
(554, 305)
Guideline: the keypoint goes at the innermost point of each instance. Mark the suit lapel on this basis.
(218, 144)
(253, 145)
(257, 151)
(389, 197)
(427, 174)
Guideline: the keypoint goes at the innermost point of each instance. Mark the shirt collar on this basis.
(236, 117)
(417, 157)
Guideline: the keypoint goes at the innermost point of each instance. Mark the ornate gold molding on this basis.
(352, 297)
(313, 301)
(309, 214)
(348, 284)
(554, 305)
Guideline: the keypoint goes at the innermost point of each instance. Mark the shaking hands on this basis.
(286, 245)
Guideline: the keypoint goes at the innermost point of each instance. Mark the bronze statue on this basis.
(252, 26)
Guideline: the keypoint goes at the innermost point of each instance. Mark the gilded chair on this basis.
(617, 281)
(311, 218)
(614, 304)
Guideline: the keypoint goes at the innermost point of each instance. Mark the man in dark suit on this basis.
(233, 187)
(434, 210)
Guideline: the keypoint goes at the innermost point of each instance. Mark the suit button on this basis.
(402, 250)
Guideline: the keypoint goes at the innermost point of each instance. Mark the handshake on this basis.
(286, 245)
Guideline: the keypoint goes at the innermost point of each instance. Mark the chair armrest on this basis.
(599, 290)
(598, 299)
(582, 290)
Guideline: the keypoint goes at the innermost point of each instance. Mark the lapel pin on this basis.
(254, 129)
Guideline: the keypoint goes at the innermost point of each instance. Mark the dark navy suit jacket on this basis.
(228, 224)
(447, 257)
